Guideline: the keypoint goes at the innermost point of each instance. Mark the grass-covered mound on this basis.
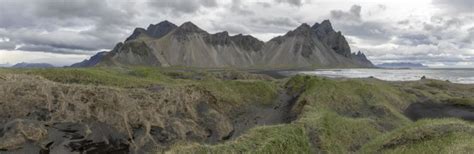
(426, 136)
(343, 115)
(220, 111)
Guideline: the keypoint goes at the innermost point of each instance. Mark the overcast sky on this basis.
(433, 32)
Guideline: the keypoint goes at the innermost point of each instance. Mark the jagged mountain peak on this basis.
(249, 37)
(161, 25)
(325, 25)
(302, 30)
(154, 30)
(190, 27)
(303, 27)
(359, 54)
(334, 40)
(361, 58)
(222, 34)
(323, 29)
(186, 29)
(247, 42)
(161, 29)
(246, 36)
(136, 33)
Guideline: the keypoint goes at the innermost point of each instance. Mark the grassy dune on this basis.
(330, 115)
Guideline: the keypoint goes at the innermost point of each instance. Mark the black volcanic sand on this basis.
(417, 111)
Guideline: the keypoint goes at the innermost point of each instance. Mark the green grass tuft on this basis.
(264, 139)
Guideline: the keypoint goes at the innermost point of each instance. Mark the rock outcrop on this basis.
(166, 44)
(361, 59)
(334, 40)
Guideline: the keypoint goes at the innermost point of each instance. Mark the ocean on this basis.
(456, 75)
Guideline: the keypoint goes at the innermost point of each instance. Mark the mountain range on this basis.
(32, 65)
(401, 65)
(166, 44)
(5, 65)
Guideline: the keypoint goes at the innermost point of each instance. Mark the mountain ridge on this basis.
(165, 44)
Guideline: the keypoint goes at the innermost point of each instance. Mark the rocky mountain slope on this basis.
(166, 44)
(94, 60)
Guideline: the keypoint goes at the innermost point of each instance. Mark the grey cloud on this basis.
(404, 22)
(370, 32)
(7, 45)
(470, 37)
(58, 39)
(425, 59)
(291, 2)
(455, 6)
(351, 23)
(53, 13)
(439, 28)
(252, 28)
(42, 48)
(47, 24)
(352, 14)
(439, 40)
(231, 28)
(382, 7)
(279, 21)
(448, 28)
(179, 7)
(428, 27)
(414, 39)
(264, 4)
(239, 8)
(442, 52)
(76, 9)
(257, 25)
